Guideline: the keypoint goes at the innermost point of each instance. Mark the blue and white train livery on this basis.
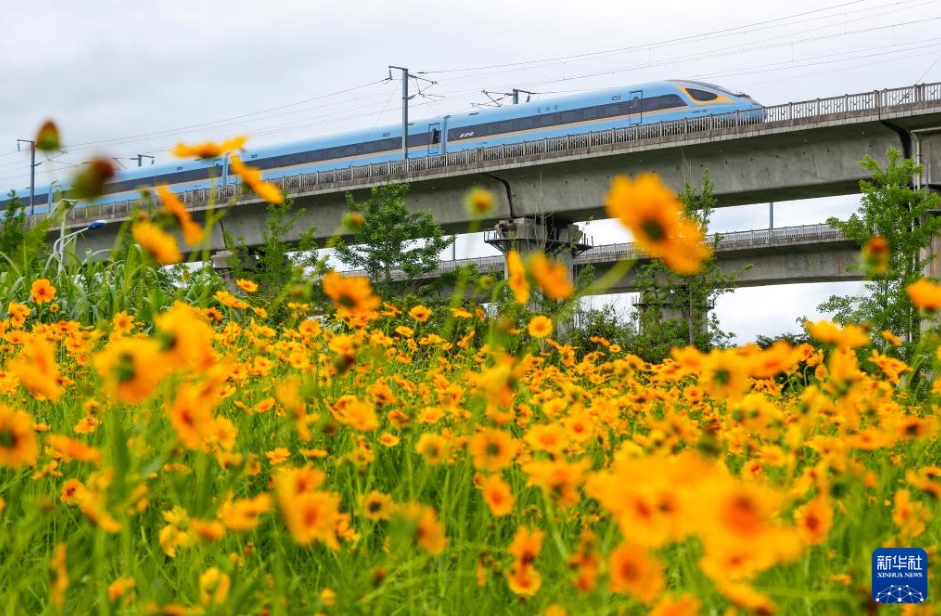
(647, 103)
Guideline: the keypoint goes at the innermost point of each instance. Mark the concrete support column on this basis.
(926, 144)
(560, 240)
(221, 262)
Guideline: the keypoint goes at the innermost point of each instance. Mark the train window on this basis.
(506, 127)
(612, 110)
(666, 101)
(701, 95)
(547, 120)
(368, 147)
(526, 123)
(590, 114)
(634, 105)
(570, 116)
(435, 136)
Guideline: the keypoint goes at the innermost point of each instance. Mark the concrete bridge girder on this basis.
(797, 159)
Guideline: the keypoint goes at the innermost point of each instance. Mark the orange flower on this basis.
(684, 605)
(42, 291)
(420, 313)
(891, 338)
(429, 531)
(851, 336)
(158, 243)
(814, 520)
(526, 545)
(552, 278)
(875, 255)
(350, 293)
(242, 515)
(492, 449)
(47, 139)
(246, 285)
(192, 233)
(635, 572)
(517, 277)
(377, 506)
(209, 149)
(498, 495)
(251, 176)
(18, 446)
(37, 370)
(654, 216)
(61, 581)
(523, 580)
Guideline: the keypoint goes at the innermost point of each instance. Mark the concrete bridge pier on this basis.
(563, 241)
(665, 307)
(221, 262)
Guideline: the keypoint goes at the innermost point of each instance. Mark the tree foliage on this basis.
(390, 238)
(676, 310)
(891, 209)
(21, 245)
(277, 266)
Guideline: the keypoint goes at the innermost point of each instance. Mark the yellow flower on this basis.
(251, 176)
(209, 149)
(377, 506)
(420, 313)
(213, 587)
(350, 294)
(925, 295)
(517, 277)
(552, 278)
(540, 326)
(247, 285)
(42, 291)
(130, 368)
(158, 243)
(654, 216)
(851, 336)
(479, 202)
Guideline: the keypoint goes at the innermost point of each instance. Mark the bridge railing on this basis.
(610, 253)
(875, 101)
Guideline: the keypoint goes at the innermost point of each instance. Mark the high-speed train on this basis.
(583, 113)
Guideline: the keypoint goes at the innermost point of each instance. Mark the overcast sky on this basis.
(126, 78)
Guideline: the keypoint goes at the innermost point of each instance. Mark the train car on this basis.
(647, 103)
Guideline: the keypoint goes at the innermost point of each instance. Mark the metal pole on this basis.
(32, 177)
(516, 96)
(405, 77)
(32, 172)
(771, 214)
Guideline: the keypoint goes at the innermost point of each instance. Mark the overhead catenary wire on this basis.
(757, 26)
(456, 95)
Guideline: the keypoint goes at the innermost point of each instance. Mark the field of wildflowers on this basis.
(198, 457)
